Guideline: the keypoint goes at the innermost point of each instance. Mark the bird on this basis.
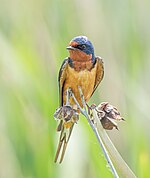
(82, 68)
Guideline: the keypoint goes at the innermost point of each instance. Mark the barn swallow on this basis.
(82, 69)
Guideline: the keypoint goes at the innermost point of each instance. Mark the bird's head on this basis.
(81, 49)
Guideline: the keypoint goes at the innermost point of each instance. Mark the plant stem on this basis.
(84, 112)
(120, 164)
(105, 143)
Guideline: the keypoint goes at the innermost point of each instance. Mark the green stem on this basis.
(118, 161)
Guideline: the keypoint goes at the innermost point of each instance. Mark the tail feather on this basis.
(63, 141)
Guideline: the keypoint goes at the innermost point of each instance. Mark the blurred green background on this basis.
(33, 39)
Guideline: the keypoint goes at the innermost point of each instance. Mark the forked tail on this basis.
(63, 141)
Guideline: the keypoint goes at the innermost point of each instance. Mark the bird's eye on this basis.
(81, 47)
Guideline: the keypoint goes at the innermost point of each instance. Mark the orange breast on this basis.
(84, 78)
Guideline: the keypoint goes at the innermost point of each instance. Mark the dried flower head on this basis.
(67, 115)
(108, 114)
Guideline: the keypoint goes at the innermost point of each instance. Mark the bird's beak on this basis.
(71, 48)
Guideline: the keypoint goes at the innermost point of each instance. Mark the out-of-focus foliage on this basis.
(33, 38)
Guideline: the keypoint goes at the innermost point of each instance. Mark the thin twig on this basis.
(84, 112)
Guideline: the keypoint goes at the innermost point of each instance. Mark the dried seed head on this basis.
(109, 115)
(67, 115)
